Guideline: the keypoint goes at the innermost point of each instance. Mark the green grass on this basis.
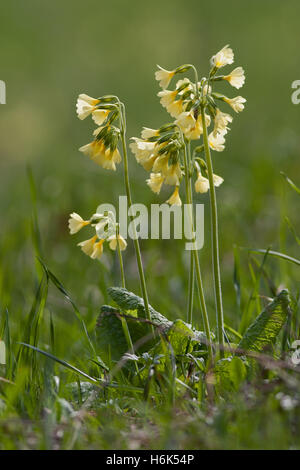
(65, 385)
(65, 391)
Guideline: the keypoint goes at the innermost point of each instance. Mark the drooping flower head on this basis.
(105, 230)
(202, 182)
(158, 151)
(103, 150)
(85, 105)
(194, 105)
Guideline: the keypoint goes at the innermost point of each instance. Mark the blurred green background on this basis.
(52, 51)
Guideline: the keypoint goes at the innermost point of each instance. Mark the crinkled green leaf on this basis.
(229, 374)
(182, 337)
(126, 300)
(110, 337)
(264, 330)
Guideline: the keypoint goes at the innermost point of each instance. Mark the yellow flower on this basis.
(186, 82)
(99, 116)
(175, 200)
(167, 97)
(224, 57)
(191, 127)
(147, 133)
(161, 163)
(87, 246)
(172, 174)
(236, 78)
(85, 105)
(164, 76)
(97, 250)
(176, 108)
(113, 242)
(221, 121)
(167, 100)
(185, 121)
(155, 182)
(76, 223)
(93, 148)
(102, 156)
(216, 142)
(144, 152)
(236, 103)
(218, 180)
(202, 183)
(108, 159)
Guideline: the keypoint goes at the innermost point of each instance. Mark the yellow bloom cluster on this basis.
(106, 231)
(184, 102)
(103, 149)
(158, 151)
(189, 103)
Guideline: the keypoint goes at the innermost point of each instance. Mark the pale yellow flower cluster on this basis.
(158, 152)
(103, 149)
(184, 102)
(93, 247)
(190, 103)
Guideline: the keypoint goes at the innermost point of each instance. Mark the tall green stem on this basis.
(192, 264)
(129, 199)
(123, 320)
(195, 253)
(215, 239)
(191, 289)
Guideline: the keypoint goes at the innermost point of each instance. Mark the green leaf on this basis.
(111, 341)
(126, 300)
(291, 183)
(181, 337)
(229, 374)
(276, 254)
(264, 330)
(110, 337)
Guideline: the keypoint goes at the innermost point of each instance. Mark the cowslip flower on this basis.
(145, 152)
(191, 127)
(155, 182)
(109, 159)
(221, 120)
(148, 133)
(106, 157)
(168, 101)
(224, 57)
(164, 76)
(85, 105)
(99, 116)
(175, 200)
(202, 183)
(97, 250)
(216, 142)
(76, 223)
(236, 78)
(172, 174)
(236, 103)
(87, 246)
(114, 240)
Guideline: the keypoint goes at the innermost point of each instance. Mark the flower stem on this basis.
(215, 239)
(192, 264)
(123, 320)
(195, 254)
(129, 199)
(191, 289)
